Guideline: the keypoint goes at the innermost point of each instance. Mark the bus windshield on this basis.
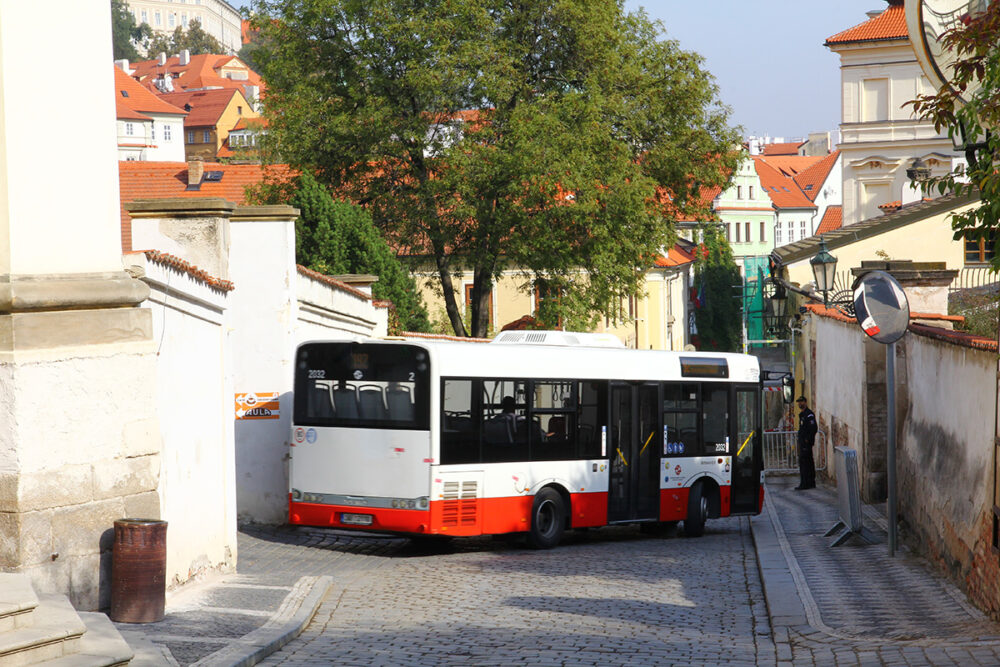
(362, 385)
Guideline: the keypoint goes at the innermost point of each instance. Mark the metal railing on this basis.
(979, 278)
(781, 451)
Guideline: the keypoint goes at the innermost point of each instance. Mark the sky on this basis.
(767, 56)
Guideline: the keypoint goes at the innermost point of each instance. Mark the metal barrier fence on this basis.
(781, 451)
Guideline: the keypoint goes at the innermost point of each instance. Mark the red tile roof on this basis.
(129, 94)
(676, 256)
(206, 105)
(167, 180)
(787, 148)
(832, 219)
(890, 24)
(812, 179)
(779, 184)
(201, 71)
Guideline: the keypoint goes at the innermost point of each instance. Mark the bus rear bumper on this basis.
(359, 518)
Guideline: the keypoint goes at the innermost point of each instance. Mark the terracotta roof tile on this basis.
(890, 24)
(779, 185)
(676, 256)
(786, 148)
(812, 179)
(167, 180)
(132, 95)
(201, 71)
(833, 218)
(175, 262)
(206, 105)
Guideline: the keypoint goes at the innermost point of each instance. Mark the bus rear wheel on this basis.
(694, 524)
(548, 519)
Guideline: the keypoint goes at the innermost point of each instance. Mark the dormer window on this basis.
(124, 93)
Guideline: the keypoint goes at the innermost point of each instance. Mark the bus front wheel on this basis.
(694, 524)
(548, 518)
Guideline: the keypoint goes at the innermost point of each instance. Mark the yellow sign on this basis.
(258, 406)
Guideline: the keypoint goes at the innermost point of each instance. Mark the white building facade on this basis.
(217, 17)
(880, 137)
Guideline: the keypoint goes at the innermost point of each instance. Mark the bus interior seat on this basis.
(399, 402)
(345, 400)
(321, 402)
(371, 404)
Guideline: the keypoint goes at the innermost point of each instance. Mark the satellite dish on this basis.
(881, 308)
(926, 22)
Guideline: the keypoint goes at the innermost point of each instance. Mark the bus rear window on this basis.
(362, 385)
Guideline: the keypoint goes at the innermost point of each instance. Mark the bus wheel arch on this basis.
(549, 512)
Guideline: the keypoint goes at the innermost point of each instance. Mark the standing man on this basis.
(807, 438)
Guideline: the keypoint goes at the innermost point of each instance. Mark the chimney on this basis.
(196, 168)
(161, 60)
(185, 57)
(123, 65)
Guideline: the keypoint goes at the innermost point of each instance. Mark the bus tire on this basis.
(548, 519)
(694, 524)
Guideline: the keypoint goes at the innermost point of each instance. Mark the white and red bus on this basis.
(434, 438)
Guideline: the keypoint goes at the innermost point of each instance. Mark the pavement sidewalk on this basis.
(850, 604)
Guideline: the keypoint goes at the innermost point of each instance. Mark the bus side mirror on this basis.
(787, 388)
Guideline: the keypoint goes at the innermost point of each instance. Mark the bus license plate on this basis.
(357, 519)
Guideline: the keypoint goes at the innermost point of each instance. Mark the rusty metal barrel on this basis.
(139, 571)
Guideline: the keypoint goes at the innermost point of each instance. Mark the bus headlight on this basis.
(422, 503)
(296, 494)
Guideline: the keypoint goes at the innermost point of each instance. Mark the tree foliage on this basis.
(194, 39)
(969, 108)
(493, 135)
(335, 237)
(717, 281)
(126, 35)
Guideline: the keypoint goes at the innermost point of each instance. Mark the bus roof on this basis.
(458, 359)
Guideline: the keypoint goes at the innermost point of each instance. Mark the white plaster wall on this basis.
(30, 216)
(263, 321)
(838, 382)
(324, 311)
(946, 446)
(203, 242)
(194, 400)
(162, 149)
(830, 191)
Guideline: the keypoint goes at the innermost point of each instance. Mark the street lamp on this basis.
(775, 304)
(824, 267)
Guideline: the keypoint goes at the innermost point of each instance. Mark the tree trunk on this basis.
(482, 286)
(448, 291)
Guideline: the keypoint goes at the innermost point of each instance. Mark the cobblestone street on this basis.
(614, 596)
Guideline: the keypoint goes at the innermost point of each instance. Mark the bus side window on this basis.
(459, 422)
(592, 417)
(715, 414)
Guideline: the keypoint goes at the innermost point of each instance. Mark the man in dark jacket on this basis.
(807, 438)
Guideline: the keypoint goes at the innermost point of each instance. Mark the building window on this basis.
(206, 136)
(761, 237)
(980, 251)
(749, 192)
(145, 16)
(746, 229)
(739, 192)
(129, 129)
(166, 132)
(157, 19)
(152, 132)
(190, 136)
(802, 229)
(172, 19)
(184, 20)
(729, 238)
(777, 234)
(736, 229)
(874, 100)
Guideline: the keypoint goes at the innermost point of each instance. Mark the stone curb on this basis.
(292, 617)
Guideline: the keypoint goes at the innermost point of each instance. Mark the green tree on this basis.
(126, 35)
(969, 108)
(490, 135)
(717, 281)
(335, 237)
(194, 39)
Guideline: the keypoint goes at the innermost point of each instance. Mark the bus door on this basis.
(633, 455)
(746, 450)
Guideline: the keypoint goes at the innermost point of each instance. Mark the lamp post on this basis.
(824, 268)
(775, 304)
